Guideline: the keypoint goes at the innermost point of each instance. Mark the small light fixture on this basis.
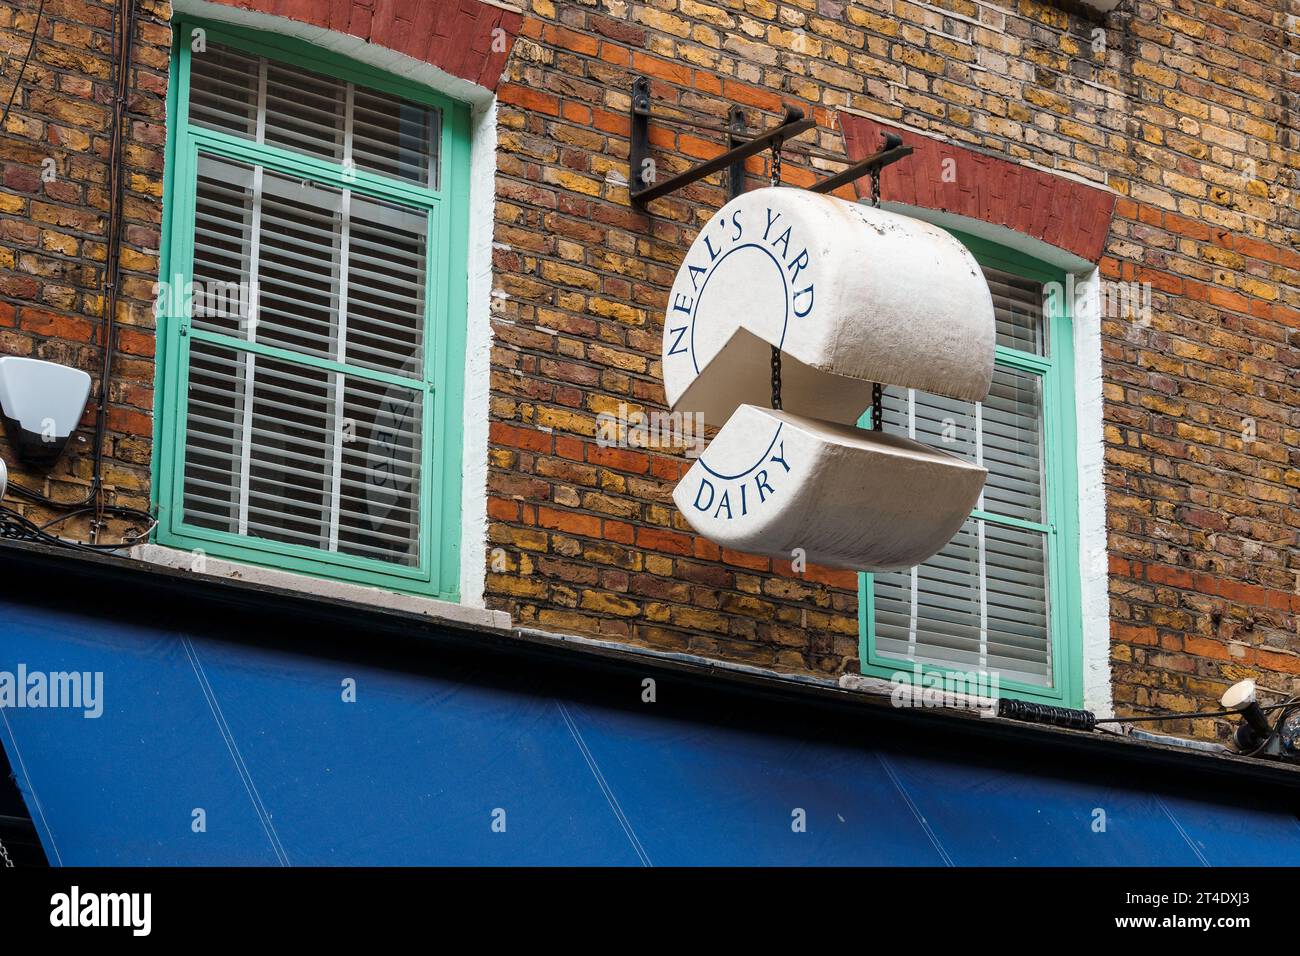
(4, 477)
(1254, 728)
(41, 403)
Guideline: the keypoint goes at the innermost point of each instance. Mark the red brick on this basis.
(570, 522)
(657, 539)
(527, 438)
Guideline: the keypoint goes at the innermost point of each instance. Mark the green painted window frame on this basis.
(437, 573)
(1056, 370)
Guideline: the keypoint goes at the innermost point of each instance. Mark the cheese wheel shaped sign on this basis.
(851, 295)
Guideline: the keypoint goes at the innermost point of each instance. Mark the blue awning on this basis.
(433, 753)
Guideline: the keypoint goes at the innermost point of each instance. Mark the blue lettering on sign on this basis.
(729, 233)
(729, 495)
(783, 241)
(724, 502)
(677, 345)
(770, 220)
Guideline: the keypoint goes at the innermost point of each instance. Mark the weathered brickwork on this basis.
(1178, 118)
(1203, 403)
(466, 38)
(1185, 110)
(54, 203)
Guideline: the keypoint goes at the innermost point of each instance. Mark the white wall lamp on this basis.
(1254, 728)
(42, 404)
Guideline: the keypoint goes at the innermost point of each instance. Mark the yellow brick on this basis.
(608, 604)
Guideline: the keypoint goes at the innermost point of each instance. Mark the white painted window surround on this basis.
(1086, 324)
(478, 326)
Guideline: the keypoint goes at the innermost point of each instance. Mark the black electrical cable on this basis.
(136, 512)
(1035, 713)
(39, 498)
(1286, 707)
(1186, 716)
(123, 31)
(14, 527)
(1030, 712)
(22, 69)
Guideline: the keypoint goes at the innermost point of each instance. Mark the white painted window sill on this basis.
(322, 587)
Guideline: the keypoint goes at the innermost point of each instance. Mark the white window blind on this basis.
(305, 412)
(284, 105)
(982, 603)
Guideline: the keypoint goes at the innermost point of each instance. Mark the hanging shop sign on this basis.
(788, 307)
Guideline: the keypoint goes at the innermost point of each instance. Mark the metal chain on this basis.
(776, 377)
(877, 393)
(776, 352)
(5, 855)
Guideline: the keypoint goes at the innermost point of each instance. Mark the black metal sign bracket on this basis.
(894, 151)
(644, 183)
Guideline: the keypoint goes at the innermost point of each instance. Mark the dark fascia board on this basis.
(405, 639)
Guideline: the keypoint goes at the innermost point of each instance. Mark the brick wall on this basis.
(54, 201)
(1185, 110)
(1203, 404)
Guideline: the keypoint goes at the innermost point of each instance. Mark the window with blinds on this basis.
(988, 602)
(308, 421)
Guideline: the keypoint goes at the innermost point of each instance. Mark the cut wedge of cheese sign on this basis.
(852, 295)
(843, 494)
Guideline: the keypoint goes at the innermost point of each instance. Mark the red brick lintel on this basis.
(1058, 210)
(470, 39)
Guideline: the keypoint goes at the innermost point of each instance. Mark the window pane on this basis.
(291, 434)
(981, 604)
(305, 111)
(269, 456)
(935, 420)
(223, 90)
(1011, 440)
(1004, 433)
(1018, 644)
(1018, 304)
(258, 440)
(941, 626)
(297, 266)
(214, 437)
(379, 494)
(298, 255)
(393, 137)
(386, 270)
(315, 114)
(223, 243)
